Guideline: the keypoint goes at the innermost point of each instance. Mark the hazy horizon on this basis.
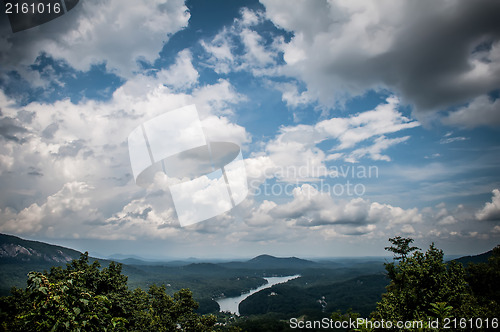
(146, 258)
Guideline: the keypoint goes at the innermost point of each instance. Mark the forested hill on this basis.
(481, 258)
(271, 262)
(16, 250)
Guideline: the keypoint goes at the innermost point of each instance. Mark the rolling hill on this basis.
(16, 250)
(481, 258)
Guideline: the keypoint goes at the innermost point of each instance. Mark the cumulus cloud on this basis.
(221, 56)
(291, 95)
(434, 54)
(311, 208)
(384, 119)
(152, 216)
(12, 130)
(48, 145)
(57, 216)
(322, 212)
(296, 146)
(491, 210)
(181, 75)
(440, 215)
(115, 32)
(240, 47)
(481, 111)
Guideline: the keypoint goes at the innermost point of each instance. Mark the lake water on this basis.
(231, 304)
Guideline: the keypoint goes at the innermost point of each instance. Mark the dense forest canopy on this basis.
(83, 297)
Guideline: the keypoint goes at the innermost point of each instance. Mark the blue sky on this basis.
(358, 121)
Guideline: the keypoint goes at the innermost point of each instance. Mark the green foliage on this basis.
(83, 297)
(420, 280)
(348, 316)
(423, 287)
(361, 294)
(401, 247)
(205, 280)
(483, 279)
(268, 322)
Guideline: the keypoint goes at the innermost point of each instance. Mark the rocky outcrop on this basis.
(14, 249)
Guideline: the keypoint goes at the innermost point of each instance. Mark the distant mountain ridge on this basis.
(481, 258)
(16, 250)
(272, 261)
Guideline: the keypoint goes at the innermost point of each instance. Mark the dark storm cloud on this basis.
(435, 54)
(431, 56)
(11, 130)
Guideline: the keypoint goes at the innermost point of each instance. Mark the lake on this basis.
(231, 304)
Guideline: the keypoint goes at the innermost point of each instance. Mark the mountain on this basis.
(267, 261)
(264, 262)
(19, 256)
(481, 258)
(120, 257)
(136, 260)
(16, 250)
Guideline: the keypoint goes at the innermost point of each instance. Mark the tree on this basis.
(423, 286)
(401, 247)
(83, 297)
(483, 279)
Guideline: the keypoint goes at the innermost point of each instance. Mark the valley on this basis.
(319, 289)
(249, 294)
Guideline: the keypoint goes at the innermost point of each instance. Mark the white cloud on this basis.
(47, 145)
(258, 56)
(261, 215)
(481, 111)
(384, 119)
(291, 95)
(57, 216)
(222, 59)
(311, 208)
(152, 216)
(374, 151)
(249, 17)
(491, 210)
(116, 32)
(408, 229)
(449, 140)
(216, 98)
(433, 156)
(181, 75)
(221, 129)
(296, 146)
(394, 214)
(448, 220)
(256, 53)
(259, 169)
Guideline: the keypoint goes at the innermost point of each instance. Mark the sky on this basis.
(358, 121)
